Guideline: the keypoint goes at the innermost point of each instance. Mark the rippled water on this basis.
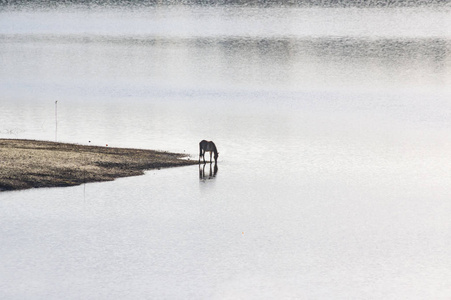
(333, 131)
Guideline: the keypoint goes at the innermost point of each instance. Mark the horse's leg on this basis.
(210, 156)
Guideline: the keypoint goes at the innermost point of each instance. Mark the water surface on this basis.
(333, 131)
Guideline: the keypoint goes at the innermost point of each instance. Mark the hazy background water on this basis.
(333, 126)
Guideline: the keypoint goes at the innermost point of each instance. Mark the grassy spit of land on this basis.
(31, 164)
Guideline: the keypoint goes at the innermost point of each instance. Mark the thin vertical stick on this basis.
(56, 121)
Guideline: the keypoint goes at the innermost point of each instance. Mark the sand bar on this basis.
(28, 164)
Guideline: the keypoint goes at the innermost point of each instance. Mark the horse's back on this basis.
(207, 145)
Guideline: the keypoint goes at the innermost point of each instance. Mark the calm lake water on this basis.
(333, 127)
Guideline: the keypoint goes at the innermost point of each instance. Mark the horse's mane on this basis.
(215, 150)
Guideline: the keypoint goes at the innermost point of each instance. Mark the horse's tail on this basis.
(201, 145)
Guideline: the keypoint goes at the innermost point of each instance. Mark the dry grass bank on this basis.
(31, 164)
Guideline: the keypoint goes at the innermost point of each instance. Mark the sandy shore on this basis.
(28, 164)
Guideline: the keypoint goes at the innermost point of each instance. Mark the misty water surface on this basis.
(333, 131)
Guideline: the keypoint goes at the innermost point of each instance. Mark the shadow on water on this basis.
(211, 174)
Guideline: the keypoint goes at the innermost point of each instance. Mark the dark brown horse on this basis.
(207, 146)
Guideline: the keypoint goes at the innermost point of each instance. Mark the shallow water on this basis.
(333, 130)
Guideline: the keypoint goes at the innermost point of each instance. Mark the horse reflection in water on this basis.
(212, 174)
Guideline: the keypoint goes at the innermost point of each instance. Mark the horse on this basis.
(208, 146)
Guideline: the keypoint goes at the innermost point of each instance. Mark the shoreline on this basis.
(26, 164)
